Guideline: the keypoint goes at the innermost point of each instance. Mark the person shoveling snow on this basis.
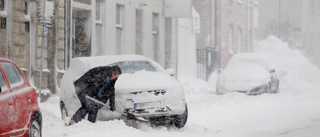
(94, 89)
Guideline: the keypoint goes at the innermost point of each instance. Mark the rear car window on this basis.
(134, 66)
(13, 74)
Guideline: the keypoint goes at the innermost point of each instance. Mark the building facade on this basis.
(82, 28)
(234, 25)
(227, 28)
(22, 35)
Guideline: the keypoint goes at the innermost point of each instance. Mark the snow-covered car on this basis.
(19, 110)
(248, 73)
(143, 90)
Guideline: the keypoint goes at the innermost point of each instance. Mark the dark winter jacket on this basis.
(92, 81)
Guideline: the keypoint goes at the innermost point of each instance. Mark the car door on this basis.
(22, 97)
(6, 106)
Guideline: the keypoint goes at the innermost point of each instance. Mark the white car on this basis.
(144, 90)
(248, 73)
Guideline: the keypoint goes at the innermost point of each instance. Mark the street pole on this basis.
(42, 46)
(279, 18)
(177, 43)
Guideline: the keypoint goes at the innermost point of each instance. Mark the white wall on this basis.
(129, 27)
(187, 65)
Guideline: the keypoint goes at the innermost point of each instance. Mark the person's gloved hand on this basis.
(113, 108)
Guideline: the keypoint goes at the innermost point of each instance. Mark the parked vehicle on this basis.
(143, 90)
(248, 73)
(19, 111)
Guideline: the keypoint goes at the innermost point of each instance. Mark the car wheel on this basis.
(64, 113)
(181, 120)
(34, 129)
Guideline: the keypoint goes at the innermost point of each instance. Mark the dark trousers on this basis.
(87, 107)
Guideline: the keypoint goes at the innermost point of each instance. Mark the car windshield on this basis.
(135, 66)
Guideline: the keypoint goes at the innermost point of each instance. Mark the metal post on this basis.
(42, 46)
(279, 18)
(177, 43)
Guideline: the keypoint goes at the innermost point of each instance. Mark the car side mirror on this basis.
(171, 72)
(0, 90)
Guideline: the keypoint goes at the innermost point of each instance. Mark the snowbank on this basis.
(297, 73)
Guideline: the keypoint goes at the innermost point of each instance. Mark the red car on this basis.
(19, 110)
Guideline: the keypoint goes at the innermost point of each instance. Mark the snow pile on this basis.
(296, 72)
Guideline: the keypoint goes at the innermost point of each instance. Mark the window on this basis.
(99, 27)
(155, 35)
(26, 9)
(99, 11)
(3, 23)
(135, 66)
(119, 28)
(230, 40)
(83, 1)
(2, 83)
(2, 5)
(239, 40)
(13, 74)
(139, 31)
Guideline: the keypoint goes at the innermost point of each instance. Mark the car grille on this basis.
(155, 92)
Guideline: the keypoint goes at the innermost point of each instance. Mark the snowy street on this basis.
(294, 112)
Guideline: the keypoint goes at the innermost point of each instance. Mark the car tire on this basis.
(35, 128)
(64, 112)
(181, 120)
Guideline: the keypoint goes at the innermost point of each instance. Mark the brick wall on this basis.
(234, 28)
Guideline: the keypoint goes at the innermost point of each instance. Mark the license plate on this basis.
(147, 105)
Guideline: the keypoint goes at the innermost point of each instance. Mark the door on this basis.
(6, 107)
(21, 96)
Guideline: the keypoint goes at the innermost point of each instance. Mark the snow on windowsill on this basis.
(60, 71)
(24, 69)
(45, 91)
(3, 13)
(27, 18)
(43, 70)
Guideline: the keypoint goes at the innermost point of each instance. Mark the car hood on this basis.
(142, 81)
